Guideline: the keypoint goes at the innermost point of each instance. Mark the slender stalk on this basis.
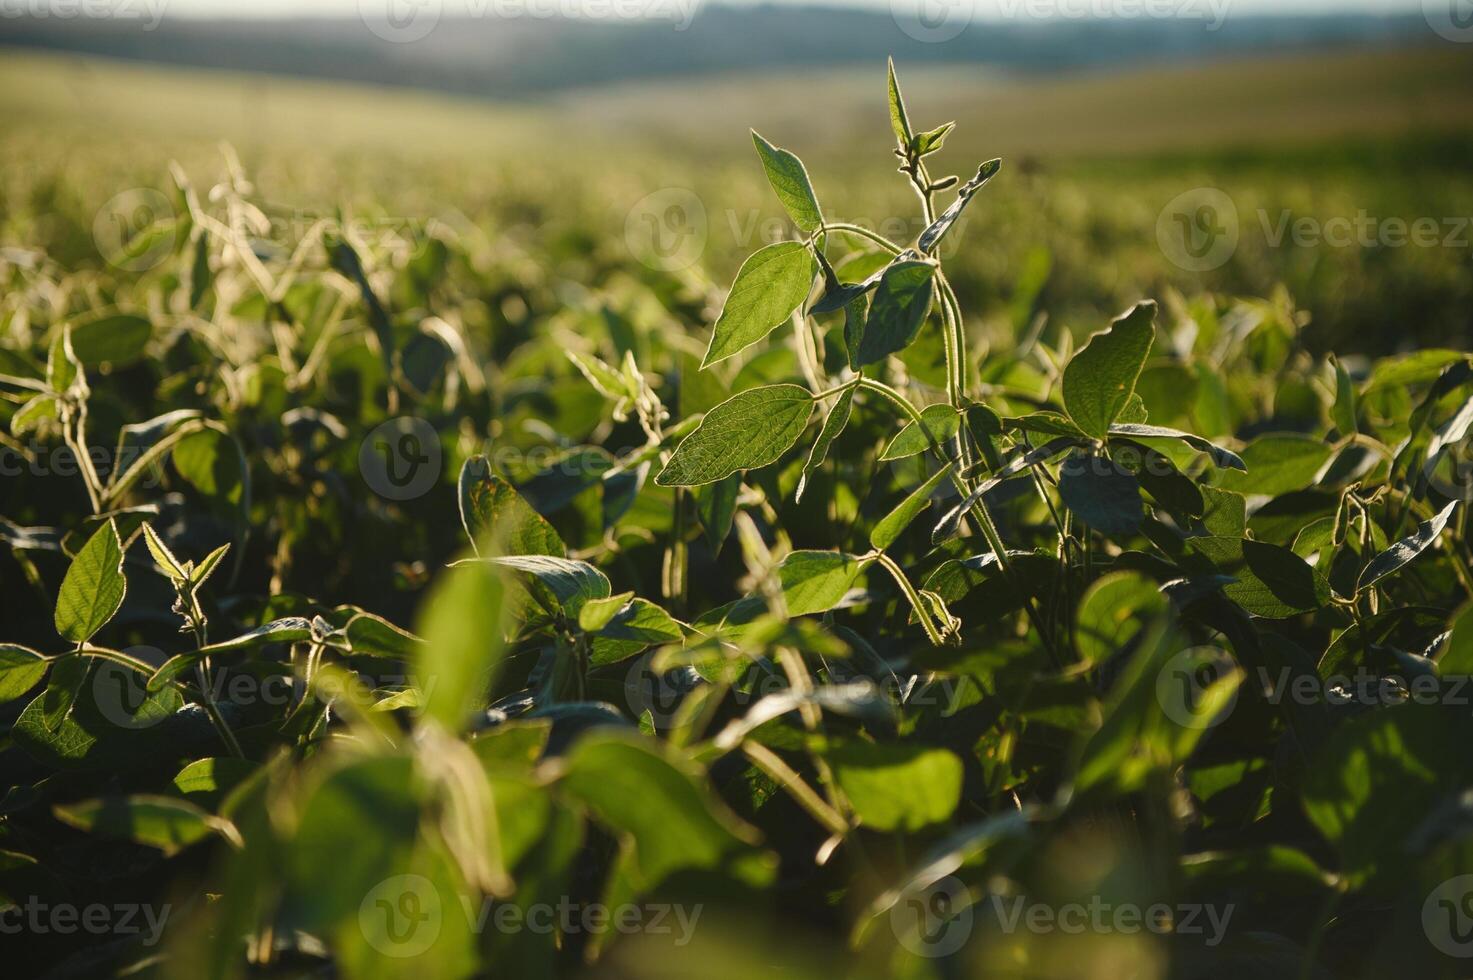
(769, 762)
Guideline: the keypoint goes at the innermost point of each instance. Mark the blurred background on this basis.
(1314, 152)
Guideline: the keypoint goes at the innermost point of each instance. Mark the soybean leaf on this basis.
(932, 140)
(896, 312)
(158, 821)
(1376, 769)
(1343, 412)
(771, 284)
(839, 295)
(462, 626)
(1100, 379)
(213, 463)
(937, 229)
(1277, 464)
(1114, 609)
(833, 424)
(750, 429)
(20, 670)
(117, 339)
(816, 581)
(716, 505)
(636, 787)
(374, 636)
(938, 425)
(1220, 457)
(1402, 552)
(638, 625)
(893, 524)
(789, 178)
(292, 629)
(93, 588)
(899, 121)
(568, 581)
(900, 786)
(1101, 493)
(494, 514)
(1224, 513)
(1271, 581)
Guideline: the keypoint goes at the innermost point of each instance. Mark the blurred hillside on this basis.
(530, 56)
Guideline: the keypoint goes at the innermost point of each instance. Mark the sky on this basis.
(994, 8)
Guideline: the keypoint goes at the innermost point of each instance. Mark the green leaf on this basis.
(937, 230)
(893, 524)
(94, 586)
(567, 582)
(636, 787)
(373, 636)
(212, 462)
(1343, 412)
(816, 581)
(771, 284)
(1402, 552)
(597, 613)
(750, 429)
(157, 821)
(494, 515)
(896, 313)
(932, 140)
(208, 781)
(1101, 493)
(117, 339)
(833, 424)
(1278, 464)
(1272, 581)
(462, 627)
(20, 670)
(938, 425)
(788, 177)
(1456, 659)
(899, 122)
(62, 367)
(1113, 611)
(716, 506)
(1375, 770)
(1100, 379)
(168, 565)
(1224, 513)
(638, 625)
(900, 786)
(1220, 457)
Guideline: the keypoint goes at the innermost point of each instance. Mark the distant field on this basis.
(1091, 160)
